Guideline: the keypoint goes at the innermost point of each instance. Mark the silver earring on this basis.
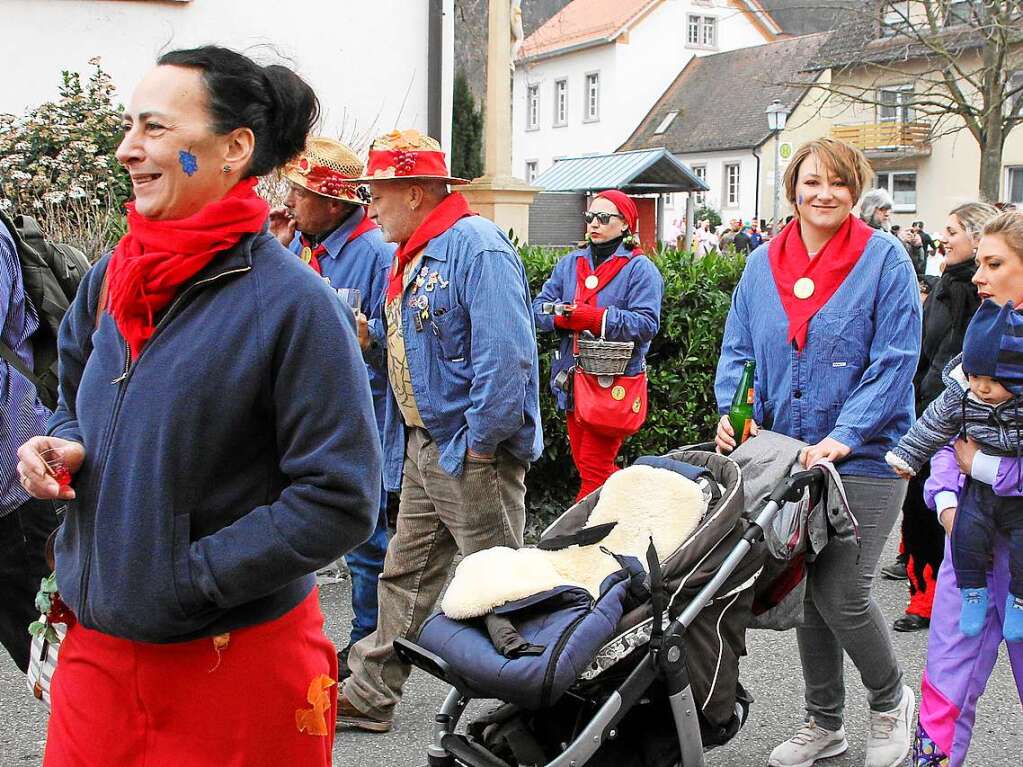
(226, 169)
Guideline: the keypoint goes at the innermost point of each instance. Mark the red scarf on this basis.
(790, 262)
(443, 217)
(605, 273)
(155, 258)
(366, 225)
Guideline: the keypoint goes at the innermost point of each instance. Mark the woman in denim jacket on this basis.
(830, 312)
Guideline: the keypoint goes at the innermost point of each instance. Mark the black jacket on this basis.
(947, 311)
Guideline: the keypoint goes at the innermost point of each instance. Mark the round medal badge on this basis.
(618, 393)
(803, 288)
(591, 282)
(636, 405)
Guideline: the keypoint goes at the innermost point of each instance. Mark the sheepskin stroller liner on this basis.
(711, 631)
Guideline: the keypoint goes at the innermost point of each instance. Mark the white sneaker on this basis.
(890, 733)
(809, 744)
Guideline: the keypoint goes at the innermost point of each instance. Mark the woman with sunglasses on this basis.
(611, 290)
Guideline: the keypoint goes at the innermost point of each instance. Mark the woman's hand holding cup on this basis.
(37, 477)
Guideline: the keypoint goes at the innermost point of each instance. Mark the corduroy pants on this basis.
(439, 516)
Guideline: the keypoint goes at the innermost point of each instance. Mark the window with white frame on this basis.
(701, 31)
(732, 184)
(560, 103)
(1014, 184)
(700, 171)
(901, 184)
(592, 98)
(894, 104)
(964, 12)
(533, 107)
(896, 17)
(531, 168)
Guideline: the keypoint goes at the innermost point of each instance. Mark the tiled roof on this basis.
(720, 100)
(584, 21)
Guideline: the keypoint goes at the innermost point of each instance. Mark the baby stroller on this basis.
(679, 645)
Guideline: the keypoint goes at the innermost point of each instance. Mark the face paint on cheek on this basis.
(189, 162)
(799, 200)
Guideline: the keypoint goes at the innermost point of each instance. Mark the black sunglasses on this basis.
(603, 218)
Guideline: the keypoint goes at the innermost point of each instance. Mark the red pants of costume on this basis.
(594, 455)
(135, 704)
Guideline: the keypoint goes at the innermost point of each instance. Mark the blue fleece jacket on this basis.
(233, 458)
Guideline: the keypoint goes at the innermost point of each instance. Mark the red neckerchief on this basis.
(155, 258)
(366, 225)
(315, 251)
(605, 273)
(443, 217)
(790, 262)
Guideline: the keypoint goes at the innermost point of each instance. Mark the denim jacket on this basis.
(363, 264)
(853, 381)
(472, 354)
(632, 300)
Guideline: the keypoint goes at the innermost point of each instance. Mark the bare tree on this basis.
(965, 58)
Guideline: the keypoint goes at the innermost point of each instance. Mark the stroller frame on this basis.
(665, 660)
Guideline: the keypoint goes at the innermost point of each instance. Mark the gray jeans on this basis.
(438, 516)
(841, 615)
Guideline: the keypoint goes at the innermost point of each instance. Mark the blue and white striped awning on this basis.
(644, 171)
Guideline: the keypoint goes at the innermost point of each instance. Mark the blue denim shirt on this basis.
(473, 365)
(853, 381)
(362, 264)
(632, 300)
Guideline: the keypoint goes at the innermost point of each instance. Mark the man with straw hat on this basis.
(324, 222)
(464, 421)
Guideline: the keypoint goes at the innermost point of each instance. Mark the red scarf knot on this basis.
(155, 258)
(825, 273)
(452, 208)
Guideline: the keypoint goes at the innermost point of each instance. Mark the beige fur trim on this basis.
(643, 500)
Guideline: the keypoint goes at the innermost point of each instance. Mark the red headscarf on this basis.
(791, 263)
(627, 207)
(155, 258)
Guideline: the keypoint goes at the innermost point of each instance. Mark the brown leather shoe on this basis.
(349, 716)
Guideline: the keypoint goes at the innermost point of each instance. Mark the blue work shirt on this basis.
(632, 300)
(363, 264)
(473, 359)
(853, 381)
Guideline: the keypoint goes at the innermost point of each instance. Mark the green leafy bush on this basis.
(680, 371)
(57, 163)
(708, 213)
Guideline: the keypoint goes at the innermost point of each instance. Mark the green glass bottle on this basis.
(740, 414)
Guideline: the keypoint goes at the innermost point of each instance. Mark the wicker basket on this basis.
(604, 358)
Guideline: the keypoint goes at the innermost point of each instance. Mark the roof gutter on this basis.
(567, 49)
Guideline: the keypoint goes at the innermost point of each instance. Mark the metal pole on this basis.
(777, 181)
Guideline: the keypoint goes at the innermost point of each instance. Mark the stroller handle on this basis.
(792, 487)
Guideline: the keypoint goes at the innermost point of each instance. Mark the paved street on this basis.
(770, 672)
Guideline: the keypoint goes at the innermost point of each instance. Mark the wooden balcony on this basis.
(881, 140)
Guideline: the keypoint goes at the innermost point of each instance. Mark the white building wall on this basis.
(366, 61)
(715, 163)
(634, 72)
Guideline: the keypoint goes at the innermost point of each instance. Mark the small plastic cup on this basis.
(56, 466)
(352, 298)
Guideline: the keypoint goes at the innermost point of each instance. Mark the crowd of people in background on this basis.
(241, 387)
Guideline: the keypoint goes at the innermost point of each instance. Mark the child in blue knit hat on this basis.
(982, 400)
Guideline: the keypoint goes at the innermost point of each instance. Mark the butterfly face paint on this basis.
(189, 163)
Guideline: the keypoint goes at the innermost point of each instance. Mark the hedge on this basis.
(680, 371)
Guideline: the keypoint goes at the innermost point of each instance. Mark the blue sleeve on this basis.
(502, 347)
(74, 345)
(887, 384)
(642, 319)
(376, 355)
(736, 348)
(551, 292)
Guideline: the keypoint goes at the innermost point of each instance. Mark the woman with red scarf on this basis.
(219, 456)
(611, 290)
(830, 312)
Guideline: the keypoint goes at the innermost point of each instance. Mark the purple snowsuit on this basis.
(958, 667)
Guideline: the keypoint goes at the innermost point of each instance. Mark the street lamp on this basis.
(777, 114)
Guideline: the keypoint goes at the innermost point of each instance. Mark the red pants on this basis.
(135, 704)
(594, 455)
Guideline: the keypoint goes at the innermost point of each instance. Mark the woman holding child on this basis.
(830, 312)
(968, 627)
